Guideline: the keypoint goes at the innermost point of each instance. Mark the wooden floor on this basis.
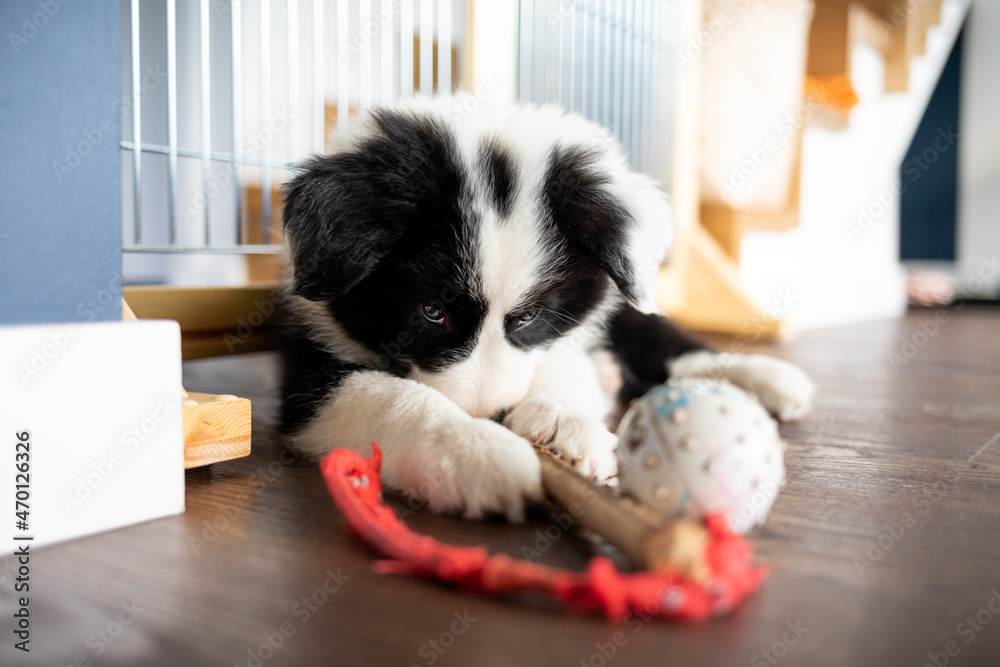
(884, 547)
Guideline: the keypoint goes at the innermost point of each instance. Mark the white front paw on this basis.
(586, 442)
(783, 388)
(471, 466)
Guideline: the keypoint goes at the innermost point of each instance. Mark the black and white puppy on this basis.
(453, 275)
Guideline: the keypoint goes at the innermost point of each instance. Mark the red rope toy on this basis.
(355, 485)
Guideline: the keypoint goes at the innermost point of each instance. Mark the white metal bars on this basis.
(609, 60)
(267, 82)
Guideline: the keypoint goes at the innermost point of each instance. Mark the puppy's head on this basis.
(456, 249)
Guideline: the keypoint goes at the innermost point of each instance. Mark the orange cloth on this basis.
(833, 91)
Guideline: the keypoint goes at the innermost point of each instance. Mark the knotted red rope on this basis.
(355, 485)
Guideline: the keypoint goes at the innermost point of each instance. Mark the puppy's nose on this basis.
(500, 416)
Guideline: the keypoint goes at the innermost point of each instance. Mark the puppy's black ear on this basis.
(395, 174)
(613, 216)
(340, 223)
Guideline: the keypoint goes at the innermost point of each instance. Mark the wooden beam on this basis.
(727, 225)
(205, 344)
(216, 428)
(906, 23)
(867, 27)
(214, 321)
(201, 308)
(713, 300)
(685, 188)
(829, 50)
(896, 27)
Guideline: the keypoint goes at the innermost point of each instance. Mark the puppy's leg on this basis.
(564, 411)
(784, 389)
(431, 448)
(650, 349)
(644, 345)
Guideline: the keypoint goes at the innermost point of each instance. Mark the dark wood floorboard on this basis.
(883, 443)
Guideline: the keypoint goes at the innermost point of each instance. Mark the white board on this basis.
(94, 410)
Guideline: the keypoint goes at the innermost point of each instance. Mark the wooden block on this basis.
(216, 428)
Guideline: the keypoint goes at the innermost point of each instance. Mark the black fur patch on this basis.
(562, 306)
(594, 221)
(309, 373)
(383, 313)
(345, 213)
(380, 231)
(643, 345)
(497, 163)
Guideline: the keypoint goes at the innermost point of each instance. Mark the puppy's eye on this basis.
(527, 316)
(433, 313)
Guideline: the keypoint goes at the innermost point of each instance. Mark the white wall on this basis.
(841, 264)
(979, 150)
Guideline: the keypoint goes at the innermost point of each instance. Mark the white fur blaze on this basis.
(495, 376)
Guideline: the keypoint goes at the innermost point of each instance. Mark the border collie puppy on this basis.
(452, 276)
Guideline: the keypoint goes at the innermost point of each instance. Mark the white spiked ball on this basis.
(694, 447)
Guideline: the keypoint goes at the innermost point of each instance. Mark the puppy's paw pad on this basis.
(586, 443)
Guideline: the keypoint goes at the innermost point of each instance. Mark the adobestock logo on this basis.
(221, 179)
(131, 440)
(664, 596)
(714, 27)
(42, 356)
(262, 310)
(912, 169)
(364, 34)
(968, 630)
(395, 350)
(777, 650)
(433, 649)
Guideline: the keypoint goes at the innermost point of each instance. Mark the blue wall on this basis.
(60, 161)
